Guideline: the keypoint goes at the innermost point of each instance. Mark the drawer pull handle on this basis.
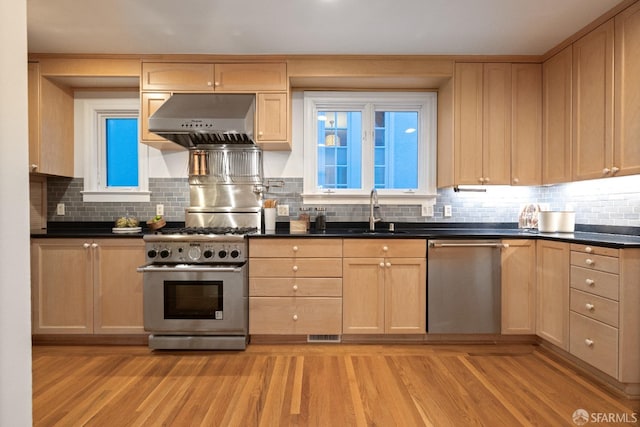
(589, 261)
(588, 342)
(388, 264)
(295, 249)
(385, 248)
(295, 268)
(382, 264)
(295, 288)
(588, 249)
(589, 306)
(295, 317)
(590, 282)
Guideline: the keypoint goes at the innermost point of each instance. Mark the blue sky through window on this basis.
(122, 152)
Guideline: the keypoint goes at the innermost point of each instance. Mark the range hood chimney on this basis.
(191, 119)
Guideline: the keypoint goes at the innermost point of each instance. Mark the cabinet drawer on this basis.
(596, 250)
(594, 342)
(297, 316)
(595, 307)
(595, 262)
(298, 248)
(595, 282)
(294, 286)
(388, 248)
(292, 267)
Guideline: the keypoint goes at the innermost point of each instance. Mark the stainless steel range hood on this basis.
(191, 119)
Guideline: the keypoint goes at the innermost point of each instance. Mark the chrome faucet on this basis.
(373, 204)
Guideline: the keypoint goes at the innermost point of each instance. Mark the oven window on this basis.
(193, 300)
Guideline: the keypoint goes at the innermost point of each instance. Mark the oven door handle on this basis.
(189, 269)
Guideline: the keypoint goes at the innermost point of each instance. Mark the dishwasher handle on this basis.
(499, 245)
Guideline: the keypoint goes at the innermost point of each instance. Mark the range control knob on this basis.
(222, 254)
(194, 253)
(165, 253)
(235, 253)
(208, 253)
(152, 253)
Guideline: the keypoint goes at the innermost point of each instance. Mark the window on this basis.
(115, 163)
(357, 141)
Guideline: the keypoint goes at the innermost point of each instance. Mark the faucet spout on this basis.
(373, 204)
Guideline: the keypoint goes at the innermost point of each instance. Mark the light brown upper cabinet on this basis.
(272, 127)
(214, 77)
(482, 140)
(50, 125)
(626, 152)
(593, 104)
(526, 124)
(556, 98)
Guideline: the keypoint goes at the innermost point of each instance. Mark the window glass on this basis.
(396, 149)
(339, 145)
(122, 152)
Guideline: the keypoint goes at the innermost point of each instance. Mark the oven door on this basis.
(195, 299)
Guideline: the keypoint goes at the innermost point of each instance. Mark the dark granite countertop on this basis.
(609, 236)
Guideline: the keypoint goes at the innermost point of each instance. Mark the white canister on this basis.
(548, 221)
(567, 222)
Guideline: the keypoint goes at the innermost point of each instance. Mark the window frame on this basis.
(370, 102)
(95, 113)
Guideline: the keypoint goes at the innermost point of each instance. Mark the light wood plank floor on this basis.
(313, 385)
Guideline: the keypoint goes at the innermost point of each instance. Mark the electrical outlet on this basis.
(60, 209)
(447, 211)
(427, 210)
(160, 209)
(283, 210)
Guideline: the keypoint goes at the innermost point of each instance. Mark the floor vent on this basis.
(323, 338)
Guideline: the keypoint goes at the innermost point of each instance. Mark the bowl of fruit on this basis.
(127, 224)
(156, 223)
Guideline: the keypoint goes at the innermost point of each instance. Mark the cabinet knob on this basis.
(86, 245)
(590, 282)
(588, 342)
(589, 306)
(614, 170)
(216, 84)
(606, 171)
(94, 245)
(295, 288)
(481, 180)
(295, 268)
(382, 264)
(487, 179)
(588, 249)
(385, 248)
(34, 167)
(589, 261)
(295, 317)
(260, 133)
(516, 180)
(295, 249)
(388, 264)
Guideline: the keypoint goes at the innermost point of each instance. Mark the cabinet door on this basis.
(593, 103)
(496, 118)
(34, 115)
(526, 124)
(405, 281)
(626, 155)
(61, 291)
(552, 315)
(273, 115)
(250, 77)
(177, 76)
(557, 122)
(118, 286)
(363, 296)
(468, 124)
(519, 287)
(149, 103)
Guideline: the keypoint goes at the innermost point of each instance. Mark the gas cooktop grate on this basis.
(189, 231)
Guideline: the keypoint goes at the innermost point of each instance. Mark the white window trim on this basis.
(94, 113)
(426, 102)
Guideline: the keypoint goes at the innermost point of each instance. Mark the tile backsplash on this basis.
(612, 201)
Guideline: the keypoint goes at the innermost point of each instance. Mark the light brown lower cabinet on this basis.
(518, 260)
(384, 295)
(552, 314)
(86, 286)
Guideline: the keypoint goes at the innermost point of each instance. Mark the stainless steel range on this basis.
(195, 288)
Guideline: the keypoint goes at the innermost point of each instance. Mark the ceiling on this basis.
(431, 27)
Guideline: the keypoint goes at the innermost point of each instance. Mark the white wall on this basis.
(15, 306)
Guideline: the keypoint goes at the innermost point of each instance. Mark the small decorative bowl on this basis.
(156, 225)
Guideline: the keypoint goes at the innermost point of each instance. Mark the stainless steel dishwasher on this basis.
(463, 287)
